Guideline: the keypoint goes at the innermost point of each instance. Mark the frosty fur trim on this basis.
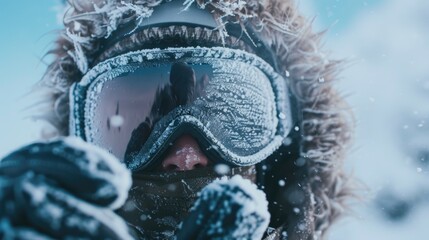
(325, 117)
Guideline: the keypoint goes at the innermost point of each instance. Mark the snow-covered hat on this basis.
(324, 126)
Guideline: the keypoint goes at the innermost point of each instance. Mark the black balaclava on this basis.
(159, 202)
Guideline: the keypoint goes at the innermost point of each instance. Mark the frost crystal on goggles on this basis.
(136, 104)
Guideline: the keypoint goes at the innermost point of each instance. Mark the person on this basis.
(200, 100)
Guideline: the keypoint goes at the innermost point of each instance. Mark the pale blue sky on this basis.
(339, 13)
(27, 30)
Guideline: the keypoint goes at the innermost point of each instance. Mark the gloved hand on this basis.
(62, 189)
(227, 209)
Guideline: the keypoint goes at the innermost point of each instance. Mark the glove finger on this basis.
(10, 232)
(9, 208)
(12, 215)
(57, 213)
(233, 209)
(86, 171)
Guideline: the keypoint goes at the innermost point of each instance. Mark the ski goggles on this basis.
(135, 105)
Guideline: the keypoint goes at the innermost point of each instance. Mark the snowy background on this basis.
(386, 83)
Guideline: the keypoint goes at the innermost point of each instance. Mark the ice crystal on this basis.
(222, 169)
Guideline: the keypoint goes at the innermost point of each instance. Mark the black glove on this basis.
(62, 189)
(227, 209)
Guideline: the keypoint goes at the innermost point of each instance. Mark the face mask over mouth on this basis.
(159, 202)
(135, 105)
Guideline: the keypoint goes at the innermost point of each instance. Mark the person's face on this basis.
(181, 114)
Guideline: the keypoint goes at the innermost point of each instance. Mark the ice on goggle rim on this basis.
(131, 106)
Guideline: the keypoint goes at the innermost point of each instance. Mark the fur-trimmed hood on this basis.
(324, 117)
